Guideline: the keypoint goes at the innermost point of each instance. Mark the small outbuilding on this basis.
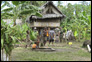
(51, 17)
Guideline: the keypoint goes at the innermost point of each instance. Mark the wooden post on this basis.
(89, 49)
(41, 36)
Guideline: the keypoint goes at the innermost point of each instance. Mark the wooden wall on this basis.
(46, 23)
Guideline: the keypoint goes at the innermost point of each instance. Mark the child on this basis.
(34, 46)
(57, 38)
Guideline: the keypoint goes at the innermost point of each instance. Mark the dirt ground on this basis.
(63, 47)
(66, 47)
(64, 51)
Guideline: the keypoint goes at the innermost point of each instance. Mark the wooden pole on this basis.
(89, 49)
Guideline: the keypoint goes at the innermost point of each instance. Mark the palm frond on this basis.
(38, 14)
(17, 2)
(3, 6)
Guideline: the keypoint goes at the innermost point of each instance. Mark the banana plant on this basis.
(9, 36)
(15, 32)
(17, 11)
(79, 21)
(7, 39)
(33, 35)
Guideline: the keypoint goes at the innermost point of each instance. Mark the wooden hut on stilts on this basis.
(51, 17)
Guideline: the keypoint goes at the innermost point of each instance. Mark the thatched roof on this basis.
(47, 16)
(50, 15)
(50, 3)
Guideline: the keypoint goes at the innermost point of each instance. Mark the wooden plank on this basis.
(54, 10)
(46, 24)
(45, 10)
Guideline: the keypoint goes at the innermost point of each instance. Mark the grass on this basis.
(23, 54)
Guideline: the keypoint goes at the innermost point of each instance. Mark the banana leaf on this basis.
(13, 39)
(7, 9)
(33, 35)
(38, 14)
(26, 11)
(75, 33)
(2, 41)
(89, 18)
(6, 49)
(7, 14)
(16, 3)
(84, 33)
(7, 37)
(3, 5)
(33, 7)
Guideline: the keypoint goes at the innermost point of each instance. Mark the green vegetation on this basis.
(10, 35)
(79, 23)
(78, 19)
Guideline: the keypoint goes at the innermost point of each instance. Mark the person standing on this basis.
(57, 38)
(48, 35)
(64, 36)
(67, 34)
(52, 33)
(44, 36)
(61, 34)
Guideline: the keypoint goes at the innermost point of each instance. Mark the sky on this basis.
(72, 2)
(64, 3)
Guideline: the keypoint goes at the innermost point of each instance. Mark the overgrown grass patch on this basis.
(82, 53)
(23, 54)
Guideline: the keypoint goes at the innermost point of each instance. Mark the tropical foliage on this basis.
(78, 19)
(18, 9)
(11, 35)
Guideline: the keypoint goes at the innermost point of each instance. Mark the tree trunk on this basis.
(2, 55)
(10, 56)
(14, 22)
(79, 37)
(7, 57)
